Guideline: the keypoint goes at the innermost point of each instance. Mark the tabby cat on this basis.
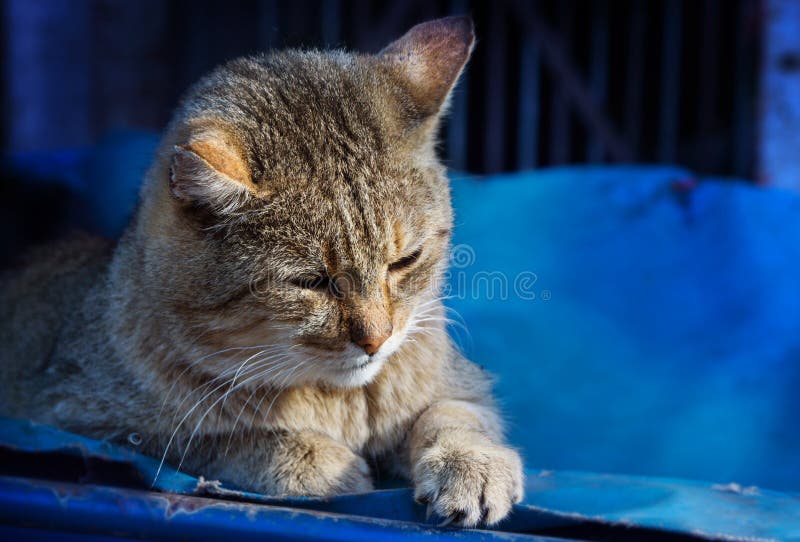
(272, 315)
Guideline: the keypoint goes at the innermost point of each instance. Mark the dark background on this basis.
(551, 82)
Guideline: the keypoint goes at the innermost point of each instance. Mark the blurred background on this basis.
(552, 82)
(664, 333)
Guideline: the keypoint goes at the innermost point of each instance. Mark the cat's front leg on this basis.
(460, 468)
(304, 463)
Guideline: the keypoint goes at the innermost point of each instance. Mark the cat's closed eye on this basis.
(406, 261)
(320, 281)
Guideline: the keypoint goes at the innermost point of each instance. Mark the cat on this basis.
(272, 315)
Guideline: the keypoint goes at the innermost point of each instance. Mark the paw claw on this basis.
(469, 485)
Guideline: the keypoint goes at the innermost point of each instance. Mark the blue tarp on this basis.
(179, 505)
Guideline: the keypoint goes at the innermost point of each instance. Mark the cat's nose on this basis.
(371, 335)
(372, 343)
(370, 325)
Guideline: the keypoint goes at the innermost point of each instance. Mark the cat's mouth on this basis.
(362, 364)
(351, 367)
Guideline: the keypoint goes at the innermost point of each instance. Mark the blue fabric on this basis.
(599, 503)
(664, 336)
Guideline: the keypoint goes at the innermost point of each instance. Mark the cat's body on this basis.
(271, 316)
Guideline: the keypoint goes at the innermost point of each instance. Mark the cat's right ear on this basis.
(209, 171)
(430, 58)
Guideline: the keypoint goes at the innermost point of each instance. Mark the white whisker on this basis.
(241, 410)
(272, 353)
(249, 370)
(203, 358)
(244, 382)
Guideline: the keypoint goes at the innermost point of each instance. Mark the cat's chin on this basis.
(359, 375)
(352, 368)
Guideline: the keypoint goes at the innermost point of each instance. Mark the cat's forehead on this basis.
(308, 113)
(348, 223)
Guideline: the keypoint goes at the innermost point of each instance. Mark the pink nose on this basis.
(371, 343)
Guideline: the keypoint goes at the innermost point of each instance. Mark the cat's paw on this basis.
(469, 484)
(315, 465)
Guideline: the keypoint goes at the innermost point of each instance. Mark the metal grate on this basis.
(551, 82)
(613, 81)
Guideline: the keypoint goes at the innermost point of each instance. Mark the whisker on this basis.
(241, 410)
(235, 376)
(203, 358)
(462, 324)
(299, 374)
(249, 370)
(271, 353)
(309, 365)
(209, 409)
(260, 375)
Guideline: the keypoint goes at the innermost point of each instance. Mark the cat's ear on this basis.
(430, 57)
(209, 170)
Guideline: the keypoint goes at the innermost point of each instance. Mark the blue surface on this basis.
(180, 505)
(664, 334)
(670, 344)
(129, 514)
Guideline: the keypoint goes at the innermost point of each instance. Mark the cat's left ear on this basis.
(430, 58)
(209, 170)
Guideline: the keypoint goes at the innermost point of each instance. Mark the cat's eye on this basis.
(312, 282)
(406, 261)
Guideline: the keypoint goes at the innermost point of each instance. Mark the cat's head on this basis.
(300, 206)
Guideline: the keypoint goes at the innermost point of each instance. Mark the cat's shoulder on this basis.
(37, 298)
(55, 271)
(75, 252)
